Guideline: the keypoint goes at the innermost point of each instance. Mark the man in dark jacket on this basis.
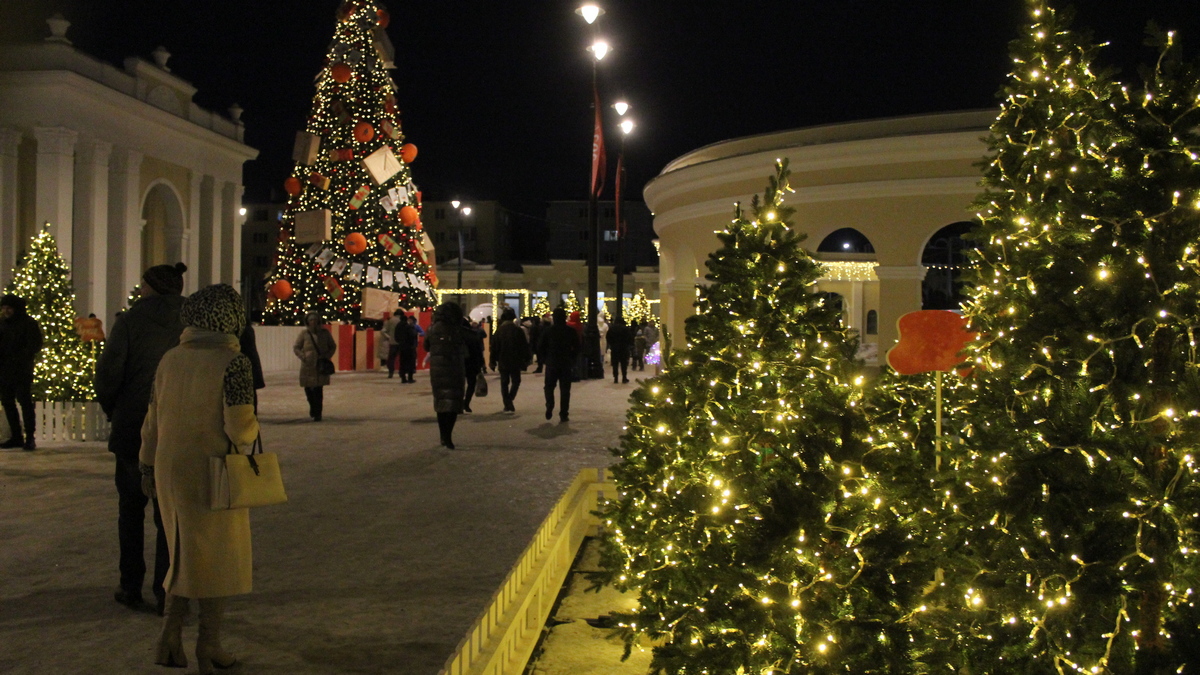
(510, 350)
(560, 344)
(124, 375)
(620, 341)
(404, 341)
(473, 335)
(20, 342)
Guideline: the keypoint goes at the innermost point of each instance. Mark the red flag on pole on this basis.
(617, 196)
(599, 164)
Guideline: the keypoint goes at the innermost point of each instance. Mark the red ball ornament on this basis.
(363, 132)
(282, 289)
(384, 17)
(341, 73)
(355, 243)
(293, 186)
(409, 216)
(408, 152)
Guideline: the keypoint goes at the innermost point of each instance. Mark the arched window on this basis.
(846, 240)
(945, 258)
(872, 322)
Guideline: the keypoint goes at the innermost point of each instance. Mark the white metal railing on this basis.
(503, 638)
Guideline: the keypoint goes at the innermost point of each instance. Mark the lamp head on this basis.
(466, 210)
(455, 203)
(599, 49)
(626, 126)
(621, 107)
(590, 12)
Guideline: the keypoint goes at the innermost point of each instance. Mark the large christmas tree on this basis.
(352, 225)
(1064, 523)
(751, 524)
(65, 366)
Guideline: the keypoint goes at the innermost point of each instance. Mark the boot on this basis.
(170, 641)
(208, 643)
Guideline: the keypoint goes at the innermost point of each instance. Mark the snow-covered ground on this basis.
(389, 547)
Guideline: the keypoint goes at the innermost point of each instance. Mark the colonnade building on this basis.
(127, 170)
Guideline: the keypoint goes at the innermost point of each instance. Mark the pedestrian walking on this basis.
(620, 341)
(20, 342)
(510, 351)
(473, 336)
(639, 347)
(446, 343)
(249, 346)
(313, 345)
(387, 342)
(404, 341)
(202, 403)
(540, 326)
(561, 346)
(124, 379)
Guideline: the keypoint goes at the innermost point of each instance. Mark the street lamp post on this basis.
(591, 332)
(626, 127)
(463, 211)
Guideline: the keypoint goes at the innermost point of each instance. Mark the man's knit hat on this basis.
(165, 279)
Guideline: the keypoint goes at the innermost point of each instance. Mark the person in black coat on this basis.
(536, 327)
(510, 351)
(620, 341)
(124, 375)
(560, 345)
(473, 335)
(20, 342)
(446, 344)
(404, 341)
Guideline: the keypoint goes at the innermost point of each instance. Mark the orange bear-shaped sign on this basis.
(930, 339)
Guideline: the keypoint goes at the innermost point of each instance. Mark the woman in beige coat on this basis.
(313, 343)
(202, 401)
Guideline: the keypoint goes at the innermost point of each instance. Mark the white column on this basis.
(230, 203)
(90, 249)
(209, 254)
(9, 230)
(191, 231)
(855, 315)
(124, 227)
(56, 184)
(899, 294)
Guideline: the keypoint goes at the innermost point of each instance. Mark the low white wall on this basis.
(275, 347)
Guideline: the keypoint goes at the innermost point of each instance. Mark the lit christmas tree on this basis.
(638, 308)
(571, 304)
(541, 307)
(352, 222)
(750, 522)
(65, 366)
(1064, 523)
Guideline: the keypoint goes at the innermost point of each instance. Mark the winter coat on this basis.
(447, 362)
(198, 406)
(20, 342)
(406, 337)
(510, 348)
(561, 345)
(473, 337)
(308, 353)
(620, 342)
(125, 370)
(249, 347)
(574, 322)
(386, 333)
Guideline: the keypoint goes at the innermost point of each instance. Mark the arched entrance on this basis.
(162, 229)
(946, 256)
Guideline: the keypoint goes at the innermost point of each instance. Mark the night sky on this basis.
(497, 94)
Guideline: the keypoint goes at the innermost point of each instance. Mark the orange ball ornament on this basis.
(355, 243)
(384, 17)
(282, 289)
(341, 73)
(292, 186)
(363, 132)
(409, 216)
(408, 152)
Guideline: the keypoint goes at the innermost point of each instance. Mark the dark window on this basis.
(872, 322)
(846, 240)
(583, 235)
(439, 214)
(608, 211)
(260, 261)
(259, 237)
(583, 212)
(260, 214)
(945, 257)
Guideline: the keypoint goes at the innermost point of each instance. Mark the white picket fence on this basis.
(59, 421)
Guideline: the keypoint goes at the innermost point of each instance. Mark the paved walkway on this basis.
(389, 547)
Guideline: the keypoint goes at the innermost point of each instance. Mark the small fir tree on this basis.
(750, 524)
(1064, 524)
(638, 308)
(352, 221)
(541, 307)
(65, 366)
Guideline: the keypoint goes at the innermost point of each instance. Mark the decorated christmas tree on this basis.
(541, 307)
(1064, 523)
(750, 523)
(65, 365)
(571, 304)
(638, 308)
(351, 233)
